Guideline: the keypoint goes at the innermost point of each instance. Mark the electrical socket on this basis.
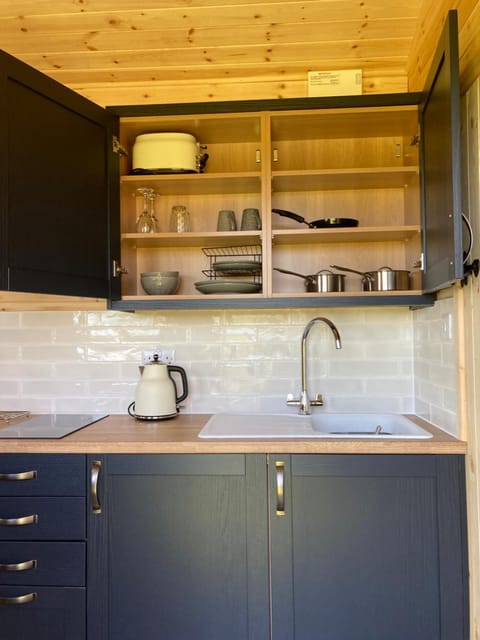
(166, 356)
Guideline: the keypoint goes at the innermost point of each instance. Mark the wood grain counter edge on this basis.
(123, 434)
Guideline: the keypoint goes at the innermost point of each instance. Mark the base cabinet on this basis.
(179, 548)
(42, 547)
(289, 547)
(370, 547)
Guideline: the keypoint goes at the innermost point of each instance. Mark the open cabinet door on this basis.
(441, 171)
(55, 152)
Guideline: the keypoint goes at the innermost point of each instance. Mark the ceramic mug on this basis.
(226, 220)
(251, 220)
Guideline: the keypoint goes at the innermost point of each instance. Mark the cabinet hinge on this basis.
(118, 270)
(117, 147)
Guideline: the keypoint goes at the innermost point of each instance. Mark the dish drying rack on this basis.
(237, 261)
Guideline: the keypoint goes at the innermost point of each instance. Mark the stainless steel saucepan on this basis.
(324, 281)
(383, 279)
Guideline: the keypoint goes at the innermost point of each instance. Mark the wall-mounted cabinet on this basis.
(69, 207)
(356, 162)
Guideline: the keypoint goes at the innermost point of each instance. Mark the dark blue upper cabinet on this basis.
(441, 172)
(55, 148)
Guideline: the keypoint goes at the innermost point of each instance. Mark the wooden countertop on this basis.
(123, 434)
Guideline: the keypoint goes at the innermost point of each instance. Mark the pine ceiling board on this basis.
(9, 8)
(160, 93)
(204, 37)
(391, 49)
(371, 68)
(323, 11)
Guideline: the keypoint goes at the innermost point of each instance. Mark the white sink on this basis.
(320, 425)
(366, 425)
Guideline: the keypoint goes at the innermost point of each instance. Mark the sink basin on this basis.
(366, 425)
(321, 425)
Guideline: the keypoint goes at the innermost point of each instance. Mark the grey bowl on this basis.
(160, 282)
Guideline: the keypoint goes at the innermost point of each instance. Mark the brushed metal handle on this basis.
(94, 476)
(24, 475)
(28, 597)
(19, 566)
(18, 522)
(280, 482)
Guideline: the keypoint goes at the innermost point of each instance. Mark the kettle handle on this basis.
(183, 375)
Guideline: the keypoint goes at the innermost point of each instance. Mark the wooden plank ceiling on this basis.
(154, 51)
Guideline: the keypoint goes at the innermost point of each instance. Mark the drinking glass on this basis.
(153, 220)
(145, 224)
(179, 219)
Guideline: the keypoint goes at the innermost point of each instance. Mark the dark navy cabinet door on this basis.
(368, 547)
(178, 548)
(55, 154)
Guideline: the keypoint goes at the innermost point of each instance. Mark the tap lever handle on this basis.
(317, 401)
(292, 401)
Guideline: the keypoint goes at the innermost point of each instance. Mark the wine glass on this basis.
(145, 224)
(153, 220)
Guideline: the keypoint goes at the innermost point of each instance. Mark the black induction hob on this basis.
(49, 425)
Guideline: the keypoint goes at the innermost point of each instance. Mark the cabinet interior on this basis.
(360, 163)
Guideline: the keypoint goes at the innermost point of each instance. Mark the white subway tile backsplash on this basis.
(57, 387)
(245, 360)
(9, 388)
(26, 336)
(435, 364)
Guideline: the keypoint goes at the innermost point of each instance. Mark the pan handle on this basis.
(360, 273)
(290, 214)
(292, 273)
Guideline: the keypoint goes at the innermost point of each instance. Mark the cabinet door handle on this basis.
(19, 566)
(280, 482)
(94, 475)
(25, 475)
(17, 522)
(28, 597)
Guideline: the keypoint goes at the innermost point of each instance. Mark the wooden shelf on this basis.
(192, 239)
(333, 179)
(196, 183)
(348, 234)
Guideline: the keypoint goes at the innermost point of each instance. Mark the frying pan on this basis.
(322, 223)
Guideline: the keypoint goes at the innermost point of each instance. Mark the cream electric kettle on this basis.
(156, 395)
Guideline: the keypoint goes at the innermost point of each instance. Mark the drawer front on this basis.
(42, 613)
(42, 563)
(42, 475)
(42, 519)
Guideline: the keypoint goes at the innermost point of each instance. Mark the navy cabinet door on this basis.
(368, 547)
(55, 156)
(178, 548)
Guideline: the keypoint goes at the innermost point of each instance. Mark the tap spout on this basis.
(305, 403)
